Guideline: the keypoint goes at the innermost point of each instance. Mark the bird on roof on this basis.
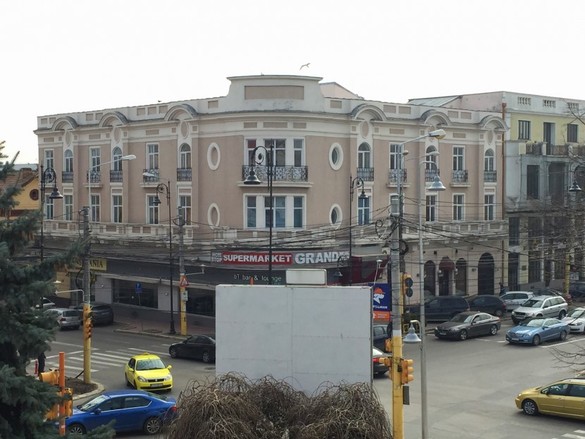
(305, 65)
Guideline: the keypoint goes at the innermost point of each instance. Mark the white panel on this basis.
(306, 277)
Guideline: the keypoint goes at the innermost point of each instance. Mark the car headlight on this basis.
(142, 379)
(168, 377)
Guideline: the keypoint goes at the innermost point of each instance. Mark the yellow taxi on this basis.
(561, 398)
(148, 372)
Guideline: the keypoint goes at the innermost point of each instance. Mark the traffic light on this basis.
(406, 371)
(68, 401)
(87, 321)
(407, 284)
(51, 377)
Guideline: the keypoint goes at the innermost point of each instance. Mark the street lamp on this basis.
(354, 183)
(47, 176)
(252, 179)
(166, 189)
(436, 186)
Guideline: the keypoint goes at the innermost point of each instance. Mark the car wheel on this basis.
(127, 382)
(76, 429)
(563, 336)
(498, 313)
(529, 407)
(152, 425)
(562, 314)
(173, 352)
(493, 330)
(463, 335)
(515, 321)
(536, 340)
(206, 357)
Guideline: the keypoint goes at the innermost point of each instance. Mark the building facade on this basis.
(337, 163)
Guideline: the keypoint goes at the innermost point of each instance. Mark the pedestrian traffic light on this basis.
(87, 321)
(51, 377)
(407, 284)
(406, 371)
(68, 401)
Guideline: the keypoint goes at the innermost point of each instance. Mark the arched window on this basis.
(364, 156)
(117, 159)
(488, 162)
(68, 161)
(185, 156)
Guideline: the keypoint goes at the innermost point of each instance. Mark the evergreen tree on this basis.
(25, 331)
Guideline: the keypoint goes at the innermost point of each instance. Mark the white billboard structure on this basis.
(305, 335)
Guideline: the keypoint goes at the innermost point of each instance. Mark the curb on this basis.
(152, 334)
(100, 388)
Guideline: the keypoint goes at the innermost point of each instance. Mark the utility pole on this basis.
(86, 300)
(183, 283)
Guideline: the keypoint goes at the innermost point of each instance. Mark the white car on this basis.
(576, 320)
(514, 299)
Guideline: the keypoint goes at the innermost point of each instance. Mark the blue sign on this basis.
(138, 288)
(381, 297)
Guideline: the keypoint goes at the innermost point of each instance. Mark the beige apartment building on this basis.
(337, 163)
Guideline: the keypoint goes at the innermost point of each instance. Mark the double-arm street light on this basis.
(252, 179)
(48, 176)
(354, 183)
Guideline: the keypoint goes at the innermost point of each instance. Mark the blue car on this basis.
(131, 410)
(538, 330)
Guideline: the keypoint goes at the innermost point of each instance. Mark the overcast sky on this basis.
(61, 56)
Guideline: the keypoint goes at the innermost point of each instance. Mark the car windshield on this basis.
(90, 405)
(578, 313)
(535, 323)
(150, 364)
(462, 318)
(532, 303)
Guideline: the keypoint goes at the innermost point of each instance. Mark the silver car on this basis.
(541, 306)
(66, 318)
(513, 299)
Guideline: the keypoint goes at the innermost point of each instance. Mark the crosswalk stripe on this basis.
(150, 352)
(68, 367)
(573, 436)
(98, 361)
(122, 357)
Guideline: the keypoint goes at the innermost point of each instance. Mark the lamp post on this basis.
(86, 271)
(436, 186)
(47, 176)
(573, 190)
(397, 305)
(252, 179)
(354, 183)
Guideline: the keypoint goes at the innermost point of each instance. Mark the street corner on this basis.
(84, 390)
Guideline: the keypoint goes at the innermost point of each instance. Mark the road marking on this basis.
(562, 343)
(149, 352)
(573, 436)
(68, 367)
(66, 344)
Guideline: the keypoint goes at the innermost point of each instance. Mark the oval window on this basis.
(213, 156)
(335, 156)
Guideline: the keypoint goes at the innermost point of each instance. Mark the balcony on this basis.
(459, 176)
(155, 178)
(366, 174)
(281, 173)
(396, 175)
(67, 176)
(490, 176)
(430, 174)
(116, 176)
(94, 176)
(184, 174)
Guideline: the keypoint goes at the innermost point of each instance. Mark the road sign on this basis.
(184, 283)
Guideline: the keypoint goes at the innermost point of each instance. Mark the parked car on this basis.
(577, 289)
(199, 347)
(514, 299)
(468, 324)
(147, 371)
(101, 313)
(379, 336)
(538, 330)
(66, 318)
(131, 410)
(46, 303)
(576, 320)
(486, 303)
(379, 368)
(562, 398)
(440, 308)
(541, 306)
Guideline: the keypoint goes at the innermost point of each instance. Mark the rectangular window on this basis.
(68, 161)
(431, 208)
(548, 133)
(152, 209)
(514, 230)
(288, 212)
(532, 182)
(278, 147)
(94, 165)
(116, 208)
(458, 158)
(572, 132)
(458, 201)
(279, 212)
(152, 155)
(251, 212)
(489, 207)
(94, 210)
(185, 202)
(523, 130)
(363, 211)
(395, 156)
(68, 207)
(298, 152)
(49, 207)
(49, 159)
(298, 212)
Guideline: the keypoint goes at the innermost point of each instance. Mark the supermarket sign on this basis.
(278, 258)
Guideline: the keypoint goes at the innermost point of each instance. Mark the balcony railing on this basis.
(395, 175)
(366, 174)
(281, 173)
(490, 176)
(184, 174)
(460, 176)
(155, 178)
(67, 176)
(94, 176)
(430, 174)
(116, 176)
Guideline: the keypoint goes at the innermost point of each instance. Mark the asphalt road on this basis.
(471, 385)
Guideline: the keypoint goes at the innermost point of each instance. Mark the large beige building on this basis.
(326, 144)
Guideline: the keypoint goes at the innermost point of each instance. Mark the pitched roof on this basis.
(18, 178)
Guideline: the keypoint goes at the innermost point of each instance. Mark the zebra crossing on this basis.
(100, 359)
(577, 434)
